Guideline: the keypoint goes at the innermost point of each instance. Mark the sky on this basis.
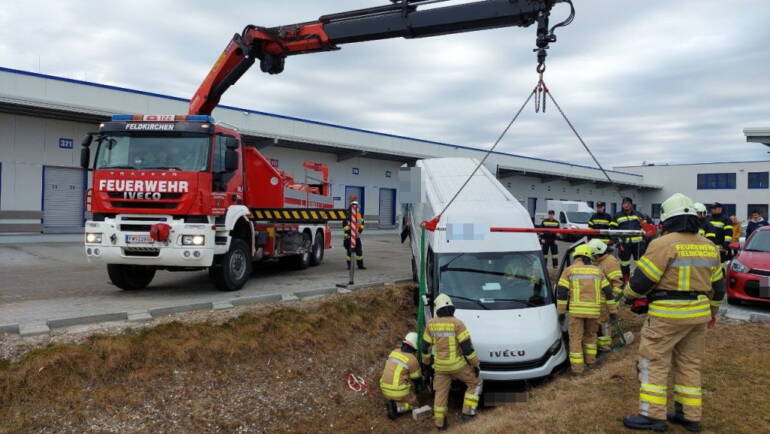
(643, 82)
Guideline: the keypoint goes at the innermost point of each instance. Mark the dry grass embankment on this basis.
(282, 370)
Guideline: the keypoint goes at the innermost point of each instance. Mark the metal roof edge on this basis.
(227, 107)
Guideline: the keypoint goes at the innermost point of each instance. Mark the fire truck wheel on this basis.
(302, 261)
(318, 249)
(231, 270)
(130, 277)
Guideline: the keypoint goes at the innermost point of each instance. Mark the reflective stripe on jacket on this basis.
(445, 336)
(627, 222)
(400, 369)
(718, 229)
(582, 290)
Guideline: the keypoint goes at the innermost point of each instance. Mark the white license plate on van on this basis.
(139, 239)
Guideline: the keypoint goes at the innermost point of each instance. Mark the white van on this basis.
(570, 213)
(497, 281)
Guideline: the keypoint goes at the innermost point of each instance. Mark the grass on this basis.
(282, 370)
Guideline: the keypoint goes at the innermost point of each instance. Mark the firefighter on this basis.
(354, 223)
(700, 211)
(548, 241)
(400, 376)
(600, 220)
(581, 290)
(719, 229)
(628, 247)
(611, 269)
(681, 276)
(448, 349)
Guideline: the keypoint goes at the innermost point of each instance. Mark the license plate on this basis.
(139, 239)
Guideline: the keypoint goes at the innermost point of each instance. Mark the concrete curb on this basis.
(163, 311)
(36, 329)
(760, 317)
(266, 298)
(83, 320)
(11, 329)
(315, 292)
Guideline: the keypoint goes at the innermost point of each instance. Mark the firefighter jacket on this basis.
(582, 290)
(401, 369)
(611, 269)
(627, 222)
(355, 220)
(549, 224)
(448, 342)
(600, 220)
(718, 229)
(681, 274)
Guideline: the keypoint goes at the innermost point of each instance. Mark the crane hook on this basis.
(546, 36)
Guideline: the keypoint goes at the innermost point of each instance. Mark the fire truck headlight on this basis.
(193, 240)
(93, 238)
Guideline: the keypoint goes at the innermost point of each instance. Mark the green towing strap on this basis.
(421, 306)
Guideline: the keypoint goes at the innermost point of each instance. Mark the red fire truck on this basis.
(184, 193)
(181, 193)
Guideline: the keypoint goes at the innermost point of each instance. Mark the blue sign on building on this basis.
(66, 143)
(388, 174)
(355, 171)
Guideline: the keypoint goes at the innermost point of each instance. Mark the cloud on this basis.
(657, 82)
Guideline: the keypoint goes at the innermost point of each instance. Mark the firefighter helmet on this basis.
(411, 339)
(582, 250)
(598, 247)
(676, 205)
(442, 300)
(699, 207)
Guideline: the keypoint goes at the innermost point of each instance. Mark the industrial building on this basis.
(43, 118)
(740, 186)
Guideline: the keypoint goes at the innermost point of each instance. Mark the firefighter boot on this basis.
(678, 417)
(641, 422)
(392, 410)
(360, 263)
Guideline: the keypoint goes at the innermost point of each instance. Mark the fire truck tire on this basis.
(317, 255)
(130, 277)
(302, 261)
(231, 270)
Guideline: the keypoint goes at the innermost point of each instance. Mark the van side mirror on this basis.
(231, 160)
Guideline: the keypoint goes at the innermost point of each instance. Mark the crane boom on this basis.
(403, 18)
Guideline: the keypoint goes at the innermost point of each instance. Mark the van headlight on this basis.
(93, 237)
(554, 349)
(193, 240)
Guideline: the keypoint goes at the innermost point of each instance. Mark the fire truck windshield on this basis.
(184, 152)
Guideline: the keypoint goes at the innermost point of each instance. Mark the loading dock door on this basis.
(62, 200)
(387, 208)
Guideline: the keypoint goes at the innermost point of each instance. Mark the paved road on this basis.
(53, 280)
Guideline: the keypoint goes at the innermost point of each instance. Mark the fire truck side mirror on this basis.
(85, 153)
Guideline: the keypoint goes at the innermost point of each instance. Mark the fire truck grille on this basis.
(141, 251)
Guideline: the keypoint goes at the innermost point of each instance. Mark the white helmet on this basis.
(442, 300)
(676, 205)
(353, 202)
(598, 247)
(411, 339)
(699, 207)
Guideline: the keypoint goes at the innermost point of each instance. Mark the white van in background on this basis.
(570, 213)
(497, 281)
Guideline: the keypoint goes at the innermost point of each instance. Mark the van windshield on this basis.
(510, 280)
(578, 217)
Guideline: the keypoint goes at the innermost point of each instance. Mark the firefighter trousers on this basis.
(358, 249)
(404, 403)
(442, 381)
(551, 251)
(668, 346)
(582, 342)
(626, 252)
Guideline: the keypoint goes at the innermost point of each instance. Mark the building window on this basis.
(716, 181)
(655, 211)
(388, 174)
(758, 179)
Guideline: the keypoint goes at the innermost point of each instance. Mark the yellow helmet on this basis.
(598, 247)
(676, 205)
(411, 339)
(582, 250)
(442, 300)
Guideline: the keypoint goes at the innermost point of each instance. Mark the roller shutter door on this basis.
(62, 200)
(387, 207)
